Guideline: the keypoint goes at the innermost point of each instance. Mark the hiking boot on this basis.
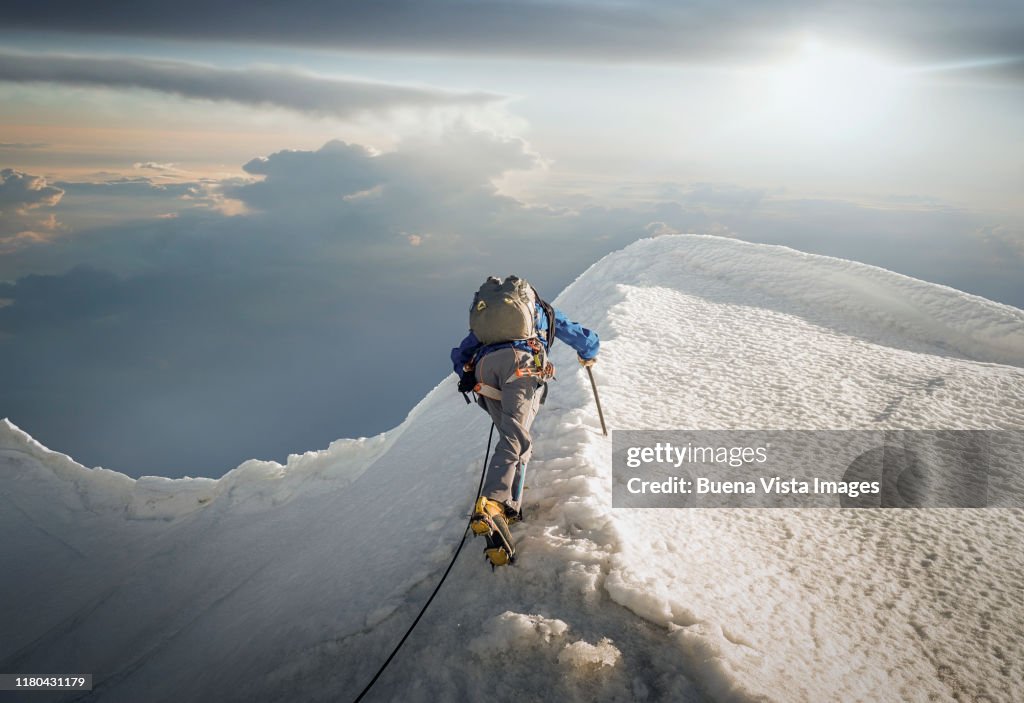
(486, 515)
(489, 522)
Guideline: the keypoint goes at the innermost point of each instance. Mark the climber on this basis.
(504, 362)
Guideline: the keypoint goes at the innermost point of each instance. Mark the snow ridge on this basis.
(735, 605)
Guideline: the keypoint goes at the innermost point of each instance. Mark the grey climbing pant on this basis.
(512, 415)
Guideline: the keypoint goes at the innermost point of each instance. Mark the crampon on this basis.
(489, 521)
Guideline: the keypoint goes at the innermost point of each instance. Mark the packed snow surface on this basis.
(293, 582)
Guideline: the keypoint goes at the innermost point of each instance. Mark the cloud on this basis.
(23, 146)
(77, 220)
(210, 339)
(120, 186)
(1003, 240)
(420, 184)
(654, 30)
(196, 335)
(154, 166)
(21, 197)
(294, 90)
(21, 191)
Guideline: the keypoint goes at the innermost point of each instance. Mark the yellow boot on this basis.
(485, 514)
(489, 521)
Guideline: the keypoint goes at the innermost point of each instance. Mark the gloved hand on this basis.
(467, 382)
(586, 362)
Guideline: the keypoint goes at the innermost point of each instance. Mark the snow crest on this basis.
(161, 576)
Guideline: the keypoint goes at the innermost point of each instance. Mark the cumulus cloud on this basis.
(1003, 240)
(294, 90)
(443, 186)
(660, 30)
(21, 191)
(21, 197)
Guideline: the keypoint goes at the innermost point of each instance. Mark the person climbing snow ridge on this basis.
(504, 362)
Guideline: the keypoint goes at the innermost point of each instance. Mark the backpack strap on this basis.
(549, 312)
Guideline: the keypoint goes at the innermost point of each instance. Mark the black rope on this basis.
(455, 556)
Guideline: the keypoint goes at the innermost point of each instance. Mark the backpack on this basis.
(505, 311)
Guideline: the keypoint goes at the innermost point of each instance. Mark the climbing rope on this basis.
(426, 605)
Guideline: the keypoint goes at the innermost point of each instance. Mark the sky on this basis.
(228, 235)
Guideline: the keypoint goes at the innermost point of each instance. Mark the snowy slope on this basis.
(295, 581)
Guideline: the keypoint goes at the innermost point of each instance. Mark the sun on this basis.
(825, 89)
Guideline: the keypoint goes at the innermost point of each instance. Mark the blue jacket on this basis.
(584, 341)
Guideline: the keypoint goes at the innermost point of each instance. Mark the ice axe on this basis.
(597, 400)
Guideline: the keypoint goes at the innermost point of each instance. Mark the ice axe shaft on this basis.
(597, 400)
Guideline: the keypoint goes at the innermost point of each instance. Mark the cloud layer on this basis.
(648, 30)
(210, 339)
(293, 90)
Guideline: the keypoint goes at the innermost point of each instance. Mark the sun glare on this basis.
(828, 90)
